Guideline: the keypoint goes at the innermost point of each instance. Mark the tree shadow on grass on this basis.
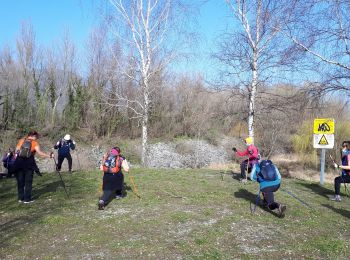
(46, 188)
(236, 175)
(343, 212)
(251, 198)
(320, 190)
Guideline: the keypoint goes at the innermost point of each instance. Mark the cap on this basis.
(66, 137)
(249, 140)
(115, 151)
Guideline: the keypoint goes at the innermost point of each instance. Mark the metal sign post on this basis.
(323, 162)
(323, 139)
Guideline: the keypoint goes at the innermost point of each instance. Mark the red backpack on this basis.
(112, 164)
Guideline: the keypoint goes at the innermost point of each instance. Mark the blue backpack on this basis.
(267, 171)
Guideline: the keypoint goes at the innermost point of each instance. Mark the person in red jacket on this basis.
(252, 153)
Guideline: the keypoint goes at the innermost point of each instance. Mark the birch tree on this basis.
(142, 27)
(253, 50)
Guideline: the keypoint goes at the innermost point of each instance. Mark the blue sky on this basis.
(51, 18)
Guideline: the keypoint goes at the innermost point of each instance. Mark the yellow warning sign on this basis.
(324, 126)
(323, 140)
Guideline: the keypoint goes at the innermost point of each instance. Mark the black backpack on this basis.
(25, 150)
(268, 170)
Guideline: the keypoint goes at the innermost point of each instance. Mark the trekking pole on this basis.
(257, 200)
(133, 186)
(246, 176)
(295, 197)
(59, 174)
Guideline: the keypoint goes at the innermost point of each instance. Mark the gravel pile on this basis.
(186, 154)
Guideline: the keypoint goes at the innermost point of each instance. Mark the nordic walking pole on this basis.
(133, 186)
(295, 197)
(246, 176)
(59, 174)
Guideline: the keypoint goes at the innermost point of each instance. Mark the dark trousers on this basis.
(339, 180)
(112, 185)
(60, 161)
(269, 200)
(24, 184)
(245, 168)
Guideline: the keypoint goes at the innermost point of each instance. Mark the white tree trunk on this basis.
(145, 125)
(252, 95)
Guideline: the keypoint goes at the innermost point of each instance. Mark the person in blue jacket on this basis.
(8, 161)
(64, 146)
(345, 170)
(269, 179)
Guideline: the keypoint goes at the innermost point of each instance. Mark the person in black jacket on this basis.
(64, 146)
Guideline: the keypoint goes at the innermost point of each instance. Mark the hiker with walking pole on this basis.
(345, 170)
(25, 165)
(113, 178)
(64, 146)
(253, 157)
(59, 174)
(269, 179)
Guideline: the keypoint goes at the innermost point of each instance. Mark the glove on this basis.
(38, 172)
(234, 149)
(336, 165)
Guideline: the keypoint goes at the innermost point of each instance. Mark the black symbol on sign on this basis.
(323, 140)
(324, 127)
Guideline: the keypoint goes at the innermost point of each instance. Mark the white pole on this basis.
(323, 160)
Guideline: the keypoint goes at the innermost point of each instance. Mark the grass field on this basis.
(182, 214)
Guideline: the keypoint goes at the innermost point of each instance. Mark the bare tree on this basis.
(321, 29)
(66, 70)
(253, 50)
(142, 27)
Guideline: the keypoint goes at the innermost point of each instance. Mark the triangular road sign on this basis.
(323, 140)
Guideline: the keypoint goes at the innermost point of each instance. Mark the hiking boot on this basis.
(101, 205)
(336, 198)
(28, 201)
(281, 210)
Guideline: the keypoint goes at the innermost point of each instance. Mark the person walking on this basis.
(252, 153)
(64, 146)
(345, 170)
(113, 178)
(25, 165)
(269, 179)
(8, 161)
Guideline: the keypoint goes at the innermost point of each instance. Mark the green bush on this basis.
(302, 140)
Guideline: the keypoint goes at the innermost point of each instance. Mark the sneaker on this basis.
(336, 198)
(118, 197)
(28, 201)
(243, 180)
(281, 210)
(20, 201)
(101, 205)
